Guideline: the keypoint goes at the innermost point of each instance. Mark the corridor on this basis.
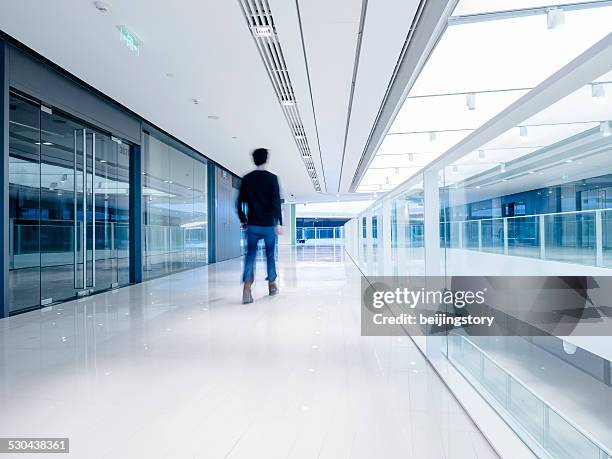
(176, 367)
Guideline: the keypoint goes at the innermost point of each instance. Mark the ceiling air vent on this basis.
(261, 23)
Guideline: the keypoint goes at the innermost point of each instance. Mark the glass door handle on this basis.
(93, 208)
(75, 238)
(84, 230)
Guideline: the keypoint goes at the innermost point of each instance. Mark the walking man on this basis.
(260, 195)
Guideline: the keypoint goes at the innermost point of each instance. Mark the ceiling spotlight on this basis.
(170, 75)
(504, 180)
(470, 101)
(555, 17)
(195, 101)
(478, 187)
(523, 132)
(102, 160)
(532, 172)
(598, 92)
(410, 156)
(604, 128)
(481, 154)
(262, 31)
(432, 136)
(287, 102)
(569, 161)
(299, 136)
(102, 7)
(213, 117)
(47, 143)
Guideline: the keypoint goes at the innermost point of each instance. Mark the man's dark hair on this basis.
(260, 156)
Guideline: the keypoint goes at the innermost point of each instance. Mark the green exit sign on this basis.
(130, 40)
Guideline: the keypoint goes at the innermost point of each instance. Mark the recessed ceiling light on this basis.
(598, 92)
(532, 172)
(470, 101)
(47, 143)
(555, 17)
(299, 136)
(234, 137)
(213, 117)
(504, 180)
(170, 75)
(262, 31)
(288, 102)
(195, 101)
(102, 160)
(569, 161)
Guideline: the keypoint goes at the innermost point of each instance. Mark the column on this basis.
(136, 220)
(384, 238)
(433, 254)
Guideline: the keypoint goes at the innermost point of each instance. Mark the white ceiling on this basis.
(211, 53)
(517, 54)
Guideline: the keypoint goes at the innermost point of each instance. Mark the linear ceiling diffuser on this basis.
(261, 23)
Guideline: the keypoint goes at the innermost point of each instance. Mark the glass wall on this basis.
(175, 209)
(68, 207)
(509, 197)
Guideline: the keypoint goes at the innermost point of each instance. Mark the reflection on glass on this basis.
(175, 209)
(48, 214)
(24, 204)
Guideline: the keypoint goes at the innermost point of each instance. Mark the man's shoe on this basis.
(272, 288)
(247, 297)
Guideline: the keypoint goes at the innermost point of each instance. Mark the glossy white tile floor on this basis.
(178, 368)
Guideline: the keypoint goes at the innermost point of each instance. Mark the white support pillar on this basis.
(433, 254)
(369, 250)
(384, 238)
(598, 238)
(541, 219)
(505, 235)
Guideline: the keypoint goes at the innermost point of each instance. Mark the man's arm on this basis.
(241, 201)
(278, 214)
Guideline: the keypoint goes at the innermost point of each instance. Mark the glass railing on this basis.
(320, 235)
(542, 427)
(583, 237)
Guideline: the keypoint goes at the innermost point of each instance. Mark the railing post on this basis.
(542, 219)
(598, 238)
(505, 231)
(480, 235)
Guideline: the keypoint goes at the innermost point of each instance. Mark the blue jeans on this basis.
(253, 235)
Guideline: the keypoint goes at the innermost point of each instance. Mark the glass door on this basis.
(69, 207)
